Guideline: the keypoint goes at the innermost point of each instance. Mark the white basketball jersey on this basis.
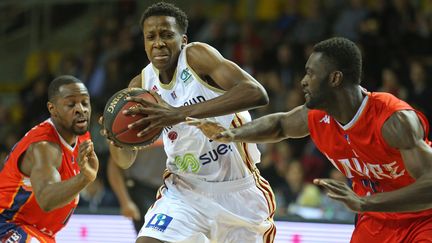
(188, 151)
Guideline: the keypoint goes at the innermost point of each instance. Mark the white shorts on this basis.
(192, 210)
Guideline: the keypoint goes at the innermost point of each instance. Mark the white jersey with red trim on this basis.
(188, 151)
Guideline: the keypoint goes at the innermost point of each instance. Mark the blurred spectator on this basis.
(34, 102)
(390, 84)
(299, 197)
(348, 23)
(421, 93)
(311, 27)
(3, 154)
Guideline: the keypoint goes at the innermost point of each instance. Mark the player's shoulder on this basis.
(315, 114)
(42, 131)
(198, 49)
(45, 146)
(384, 98)
(197, 45)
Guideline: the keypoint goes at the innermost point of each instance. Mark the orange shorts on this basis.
(373, 230)
(10, 232)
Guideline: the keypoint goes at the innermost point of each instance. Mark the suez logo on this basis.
(188, 162)
(159, 222)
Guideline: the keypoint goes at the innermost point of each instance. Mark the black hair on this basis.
(344, 55)
(166, 9)
(54, 86)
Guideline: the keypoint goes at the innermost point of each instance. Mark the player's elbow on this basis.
(45, 206)
(258, 94)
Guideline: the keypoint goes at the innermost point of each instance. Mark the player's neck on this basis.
(346, 104)
(166, 76)
(67, 136)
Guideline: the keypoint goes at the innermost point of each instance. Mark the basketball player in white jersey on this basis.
(213, 191)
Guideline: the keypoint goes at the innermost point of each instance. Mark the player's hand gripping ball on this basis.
(116, 123)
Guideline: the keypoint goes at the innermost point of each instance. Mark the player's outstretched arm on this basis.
(40, 163)
(117, 182)
(404, 131)
(267, 129)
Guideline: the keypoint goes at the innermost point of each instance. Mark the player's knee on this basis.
(144, 239)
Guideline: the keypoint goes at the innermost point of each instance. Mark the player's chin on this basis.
(80, 130)
(161, 64)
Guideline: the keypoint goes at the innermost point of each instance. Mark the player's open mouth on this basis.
(161, 57)
(81, 123)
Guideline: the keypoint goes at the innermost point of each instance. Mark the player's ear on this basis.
(184, 41)
(51, 108)
(336, 78)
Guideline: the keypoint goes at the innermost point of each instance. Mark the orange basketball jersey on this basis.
(17, 201)
(358, 149)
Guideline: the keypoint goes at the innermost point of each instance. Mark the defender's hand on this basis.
(87, 160)
(340, 191)
(211, 129)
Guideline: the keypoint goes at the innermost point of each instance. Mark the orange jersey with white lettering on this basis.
(17, 201)
(359, 150)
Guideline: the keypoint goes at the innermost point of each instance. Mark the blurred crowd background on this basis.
(101, 43)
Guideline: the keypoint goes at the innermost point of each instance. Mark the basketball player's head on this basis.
(164, 28)
(69, 105)
(334, 63)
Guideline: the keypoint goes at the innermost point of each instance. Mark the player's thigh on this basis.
(173, 220)
(229, 233)
(145, 239)
(10, 232)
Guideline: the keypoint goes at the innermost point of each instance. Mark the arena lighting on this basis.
(86, 228)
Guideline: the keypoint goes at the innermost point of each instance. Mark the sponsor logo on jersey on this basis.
(155, 88)
(325, 119)
(173, 95)
(346, 136)
(195, 100)
(11, 237)
(159, 222)
(185, 76)
(355, 167)
(189, 162)
(172, 135)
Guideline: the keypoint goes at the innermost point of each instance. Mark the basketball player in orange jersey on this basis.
(48, 167)
(207, 184)
(378, 141)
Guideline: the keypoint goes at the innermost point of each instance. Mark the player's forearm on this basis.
(117, 183)
(266, 129)
(239, 98)
(415, 197)
(123, 157)
(58, 194)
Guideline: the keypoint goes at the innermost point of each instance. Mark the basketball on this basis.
(115, 122)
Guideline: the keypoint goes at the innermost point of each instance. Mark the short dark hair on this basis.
(54, 86)
(344, 55)
(166, 9)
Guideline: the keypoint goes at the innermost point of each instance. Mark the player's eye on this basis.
(167, 35)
